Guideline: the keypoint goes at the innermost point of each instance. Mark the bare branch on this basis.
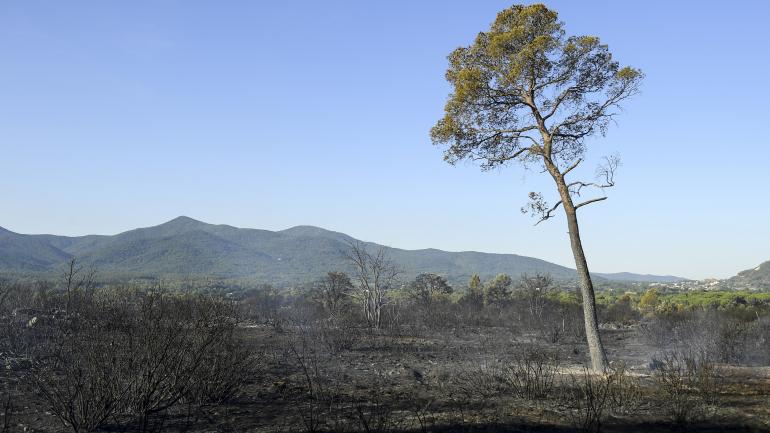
(605, 175)
(375, 275)
(572, 167)
(606, 171)
(587, 202)
(548, 213)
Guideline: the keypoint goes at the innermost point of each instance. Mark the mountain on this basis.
(640, 278)
(756, 278)
(186, 247)
(27, 253)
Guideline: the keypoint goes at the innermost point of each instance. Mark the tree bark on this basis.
(595, 346)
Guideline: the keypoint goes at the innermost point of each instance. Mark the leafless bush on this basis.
(223, 373)
(174, 341)
(320, 406)
(426, 415)
(530, 374)
(732, 340)
(373, 412)
(480, 380)
(6, 411)
(714, 334)
(759, 351)
(590, 398)
(333, 292)
(126, 355)
(686, 384)
(340, 335)
(657, 331)
(77, 370)
(557, 322)
(626, 395)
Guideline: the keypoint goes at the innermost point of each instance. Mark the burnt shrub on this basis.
(686, 384)
(717, 335)
(590, 398)
(126, 355)
(530, 374)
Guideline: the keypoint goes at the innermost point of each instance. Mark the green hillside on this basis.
(184, 247)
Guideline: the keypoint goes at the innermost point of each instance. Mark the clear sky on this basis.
(115, 115)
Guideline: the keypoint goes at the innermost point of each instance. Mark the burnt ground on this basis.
(431, 381)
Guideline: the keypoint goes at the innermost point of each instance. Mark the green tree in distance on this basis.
(426, 288)
(526, 92)
(498, 290)
(475, 290)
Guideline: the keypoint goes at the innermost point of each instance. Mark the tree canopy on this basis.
(428, 287)
(523, 75)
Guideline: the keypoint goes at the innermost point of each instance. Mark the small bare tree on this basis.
(375, 274)
(332, 291)
(77, 279)
(535, 290)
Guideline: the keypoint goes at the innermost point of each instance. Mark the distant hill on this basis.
(640, 278)
(184, 247)
(756, 278)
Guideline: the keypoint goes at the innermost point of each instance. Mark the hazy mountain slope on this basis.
(756, 278)
(186, 247)
(469, 262)
(631, 277)
(27, 253)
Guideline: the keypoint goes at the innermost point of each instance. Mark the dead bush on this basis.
(480, 380)
(320, 404)
(338, 333)
(626, 395)
(425, 415)
(6, 411)
(718, 335)
(686, 384)
(133, 356)
(589, 398)
(373, 412)
(530, 374)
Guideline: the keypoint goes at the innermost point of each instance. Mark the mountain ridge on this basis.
(185, 247)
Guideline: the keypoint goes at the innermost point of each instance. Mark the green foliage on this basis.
(475, 292)
(498, 290)
(567, 297)
(720, 299)
(649, 301)
(427, 288)
(522, 64)
(622, 310)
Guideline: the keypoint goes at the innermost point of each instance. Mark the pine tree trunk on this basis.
(595, 347)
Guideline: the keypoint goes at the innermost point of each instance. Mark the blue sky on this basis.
(115, 115)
